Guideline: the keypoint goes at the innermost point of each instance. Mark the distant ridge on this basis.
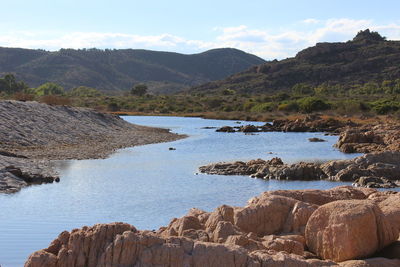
(366, 58)
(119, 69)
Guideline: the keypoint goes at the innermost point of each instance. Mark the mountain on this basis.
(366, 58)
(120, 69)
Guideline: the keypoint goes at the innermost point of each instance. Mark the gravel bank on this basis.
(33, 134)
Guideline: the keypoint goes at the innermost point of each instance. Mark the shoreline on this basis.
(29, 148)
(379, 167)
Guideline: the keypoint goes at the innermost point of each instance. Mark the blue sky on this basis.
(270, 28)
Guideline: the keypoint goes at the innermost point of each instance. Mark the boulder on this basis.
(351, 229)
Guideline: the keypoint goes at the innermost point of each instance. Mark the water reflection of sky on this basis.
(149, 185)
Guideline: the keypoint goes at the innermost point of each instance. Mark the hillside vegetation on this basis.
(366, 58)
(112, 70)
(366, 90)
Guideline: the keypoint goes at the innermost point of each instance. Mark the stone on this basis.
(316, 139)
(351, 229)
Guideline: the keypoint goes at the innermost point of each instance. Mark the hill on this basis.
(120, 69)
(366, 58)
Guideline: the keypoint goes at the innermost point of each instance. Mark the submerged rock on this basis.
(316, 139)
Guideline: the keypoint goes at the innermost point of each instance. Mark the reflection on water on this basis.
(149, 185)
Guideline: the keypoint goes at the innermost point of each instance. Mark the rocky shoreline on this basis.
(378, 168)
(343, 226)
(32, 135)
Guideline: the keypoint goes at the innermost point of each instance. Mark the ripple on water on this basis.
(149, 185)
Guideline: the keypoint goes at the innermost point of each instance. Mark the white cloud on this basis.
(310, 21)
(264, 43)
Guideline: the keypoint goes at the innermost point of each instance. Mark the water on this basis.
(149, 185)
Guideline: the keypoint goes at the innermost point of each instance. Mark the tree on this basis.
(139, 90)
(9, 84)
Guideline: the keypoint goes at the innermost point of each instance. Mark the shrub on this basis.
(263, 107)
(84, 91)
(289, 106)
(47, 89)
(311, 104)
(383, 107)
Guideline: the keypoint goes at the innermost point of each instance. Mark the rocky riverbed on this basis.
(343, 226)
(34, 134)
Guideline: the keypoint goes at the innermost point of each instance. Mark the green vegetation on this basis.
(369, 98)
(357, 77)
(366, 60)
(116, 70)
(8, 85)
(139, 90)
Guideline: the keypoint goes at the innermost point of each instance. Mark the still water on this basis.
(149, 185)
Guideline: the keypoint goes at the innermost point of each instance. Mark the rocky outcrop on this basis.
(370, 138)
(381, 169)
(310, 123)
(278, 228)
(12, 179)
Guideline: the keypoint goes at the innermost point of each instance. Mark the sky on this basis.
(271, 29)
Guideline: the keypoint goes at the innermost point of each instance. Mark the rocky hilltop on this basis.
(119, 69)
(343, 226)
(32, 134)
(366, 58)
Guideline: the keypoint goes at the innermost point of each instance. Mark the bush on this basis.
(311, 104)
(383, 107)
(47, 89)
(263, 107)
(84, 91)
(289, 106)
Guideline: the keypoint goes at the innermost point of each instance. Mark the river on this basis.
(149, 185)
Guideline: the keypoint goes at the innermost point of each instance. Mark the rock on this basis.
(287, 245)
(351, 229)
(390, 207)
(378, 169)
(249, 129)
(382, 136)
(271, 169)
(287, 216)
(132, 248)
(269, 231)
(315, 139)
(223, 213)
(12, 179)
(374, 182)
(226, 129)
(373, 262)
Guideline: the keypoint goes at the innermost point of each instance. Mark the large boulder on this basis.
(132, 248)
(274, 214)
(351, 229)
